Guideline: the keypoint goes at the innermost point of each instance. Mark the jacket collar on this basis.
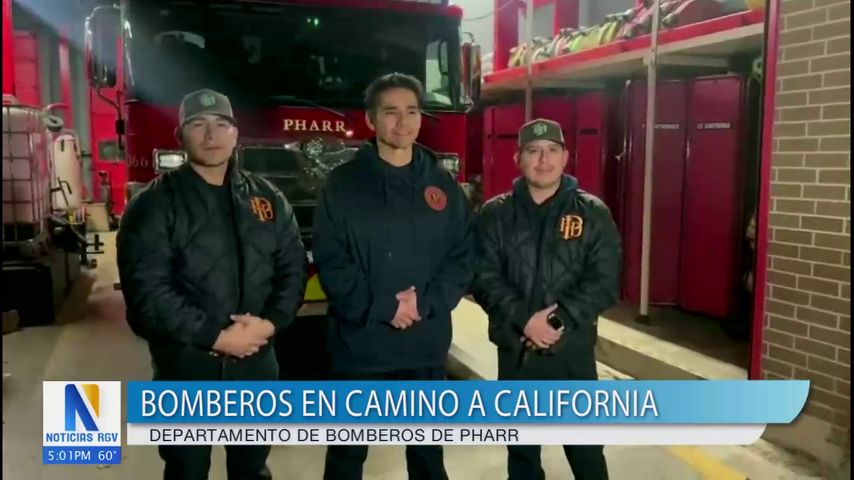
(232, 175)
(567, 190)
(423, 159)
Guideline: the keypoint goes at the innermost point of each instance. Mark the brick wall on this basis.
(808, 312)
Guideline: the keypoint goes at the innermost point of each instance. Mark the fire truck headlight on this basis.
(450, 162)
(165, 160)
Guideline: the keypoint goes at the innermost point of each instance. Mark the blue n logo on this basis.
(75, 406)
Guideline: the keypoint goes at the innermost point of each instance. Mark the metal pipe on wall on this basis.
(649, 153)
(773, 19)
(8, 50)
(505, 31)
(64, 59)
(48, 51)
(529, 57)
(80, 111)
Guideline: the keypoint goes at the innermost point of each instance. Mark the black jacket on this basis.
(170, 242)
(576, 265)
(374, 238)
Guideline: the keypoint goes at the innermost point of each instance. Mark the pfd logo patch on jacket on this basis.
(436, 198)
(571, 227)
(262, 208)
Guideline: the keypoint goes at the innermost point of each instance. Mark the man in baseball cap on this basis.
(542, 155)
(540, 129)
(543, 319)
(208, 132)
(205, 102)
(212, 267)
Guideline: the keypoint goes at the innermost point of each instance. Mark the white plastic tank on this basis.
(26, 171)
(67, 172)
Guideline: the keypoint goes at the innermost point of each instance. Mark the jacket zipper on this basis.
(538, 274)
(235, 225)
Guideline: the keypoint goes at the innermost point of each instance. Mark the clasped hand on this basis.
(538, 334)
(407, 309)
(245, 336)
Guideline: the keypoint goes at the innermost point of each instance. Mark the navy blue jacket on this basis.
(379, 231)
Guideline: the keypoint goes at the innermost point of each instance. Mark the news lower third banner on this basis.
(465, 413)
(83, 420)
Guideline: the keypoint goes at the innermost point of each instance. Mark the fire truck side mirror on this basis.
(101, 46)
(471, 70)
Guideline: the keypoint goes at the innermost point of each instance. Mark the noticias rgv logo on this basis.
(76, 408)
(81, 412)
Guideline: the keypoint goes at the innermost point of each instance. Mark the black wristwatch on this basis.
(555, 321)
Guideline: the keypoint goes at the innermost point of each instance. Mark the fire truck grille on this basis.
(298, 175)
(288, 171)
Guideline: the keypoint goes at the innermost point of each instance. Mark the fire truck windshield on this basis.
(254, 52)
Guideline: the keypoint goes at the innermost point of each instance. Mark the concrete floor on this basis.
(99, 346)
(699, 333)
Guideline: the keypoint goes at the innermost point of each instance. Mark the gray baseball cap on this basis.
(204, 102)
(540, 129)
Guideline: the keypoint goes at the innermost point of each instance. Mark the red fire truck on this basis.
(295, 72)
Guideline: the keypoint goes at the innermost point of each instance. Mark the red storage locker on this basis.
(668, 177)
(558, 109)
(507, 119)
(620, 125)
(593, 159)
(714, 177)
(501, 127)
(486, 151)
(562, 111)
(486, 161)
(504, 169)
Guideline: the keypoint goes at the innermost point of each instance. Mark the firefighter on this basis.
(547, 263)
(212, 267)
(392, 248)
